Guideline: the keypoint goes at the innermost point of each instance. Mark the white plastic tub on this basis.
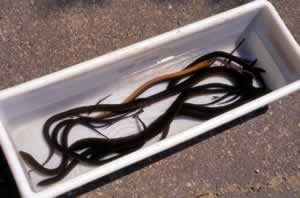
(24, 108)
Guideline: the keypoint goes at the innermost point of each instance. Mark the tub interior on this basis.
(23, 115)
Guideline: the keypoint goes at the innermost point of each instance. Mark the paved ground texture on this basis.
(259, 158)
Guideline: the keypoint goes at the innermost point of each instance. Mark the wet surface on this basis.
(259, 158)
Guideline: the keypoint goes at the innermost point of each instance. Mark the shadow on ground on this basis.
(59, 4)
(46, 8)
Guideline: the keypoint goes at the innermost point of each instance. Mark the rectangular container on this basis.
(24, 108)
